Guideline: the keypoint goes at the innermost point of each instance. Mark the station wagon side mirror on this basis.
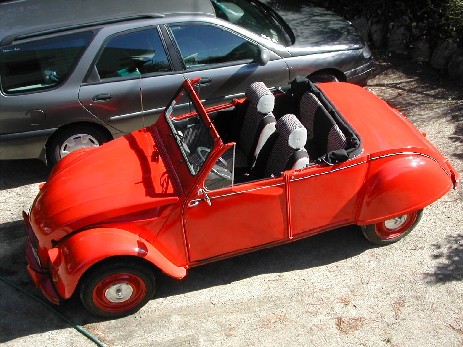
(264, 57)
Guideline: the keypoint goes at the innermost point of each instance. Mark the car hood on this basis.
(92, 186)
(316, 28)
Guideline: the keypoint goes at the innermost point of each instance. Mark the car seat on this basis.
(258, 125)
(323, 134)
(287, 147)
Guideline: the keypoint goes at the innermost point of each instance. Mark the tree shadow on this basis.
(450, 257)
(457, 136)
(417, 85)
(421, 92)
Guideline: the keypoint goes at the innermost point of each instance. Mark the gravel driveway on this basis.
(335, 289)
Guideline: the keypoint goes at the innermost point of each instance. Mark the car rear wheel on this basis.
(73, 138)
(117, 289)
(392, 230)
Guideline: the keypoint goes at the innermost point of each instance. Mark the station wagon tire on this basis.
(117, 289)
(323, 77)
(71, 139)
(392, 230)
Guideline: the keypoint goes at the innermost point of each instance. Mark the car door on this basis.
(324, 196)
(226, 61)
(223, 218)
(132, 77)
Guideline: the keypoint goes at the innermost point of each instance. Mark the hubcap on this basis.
(119, 292)
(395, 227)
(395, 223)
(76, 142)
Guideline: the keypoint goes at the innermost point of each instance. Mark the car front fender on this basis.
(74, 256)
(398, 184)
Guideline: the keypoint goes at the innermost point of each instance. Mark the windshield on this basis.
(191, 133)
(254, 17)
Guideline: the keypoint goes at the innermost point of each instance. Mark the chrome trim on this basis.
(329, 171)
(334, 170)
(414, 153)
(126, 116)
(246, 191)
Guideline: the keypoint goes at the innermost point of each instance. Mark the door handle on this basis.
(193, 203)
(102, 97)
(204, 81)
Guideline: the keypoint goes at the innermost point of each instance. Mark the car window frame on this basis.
(92, 76)
(72, 69)
(216, 65)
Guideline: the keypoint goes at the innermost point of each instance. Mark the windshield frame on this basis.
(192, 129)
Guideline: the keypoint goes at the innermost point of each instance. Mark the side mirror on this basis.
(264, 57)
(203, 195)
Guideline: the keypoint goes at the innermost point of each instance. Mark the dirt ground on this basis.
(335, 289)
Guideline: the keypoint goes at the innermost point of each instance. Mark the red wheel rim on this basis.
(119, 292)
(395, 227)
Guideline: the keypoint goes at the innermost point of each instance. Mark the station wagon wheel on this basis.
(323, 77)
(392, 230)
(71, 139)
(116, 289)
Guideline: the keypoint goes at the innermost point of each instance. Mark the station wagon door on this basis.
(131, 81)
(226, 62)
(226, 219)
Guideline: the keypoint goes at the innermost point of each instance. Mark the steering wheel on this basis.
(219, 168)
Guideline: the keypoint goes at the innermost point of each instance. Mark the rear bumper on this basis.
(40, 276)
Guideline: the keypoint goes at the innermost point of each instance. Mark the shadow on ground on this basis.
(17, 173)
(421, 92)
(323, 249)
(449, 256)
(413, 86)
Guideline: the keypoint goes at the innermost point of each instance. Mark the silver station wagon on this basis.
(78, 74)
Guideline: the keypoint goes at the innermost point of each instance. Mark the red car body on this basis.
(136, 201)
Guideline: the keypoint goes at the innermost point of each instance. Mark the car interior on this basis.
(288, 129)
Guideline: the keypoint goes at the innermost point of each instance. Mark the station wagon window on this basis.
(133, 54)
(41, 64)
(202, 45)
(254, 17)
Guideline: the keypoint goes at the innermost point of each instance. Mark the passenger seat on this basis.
(324, 135)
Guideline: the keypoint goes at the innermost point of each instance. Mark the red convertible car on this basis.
(206, 184)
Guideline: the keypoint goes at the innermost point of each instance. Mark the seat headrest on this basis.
(291, 128)
(258, 94)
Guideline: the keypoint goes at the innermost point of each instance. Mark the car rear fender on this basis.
(73, 257)
(400, 183)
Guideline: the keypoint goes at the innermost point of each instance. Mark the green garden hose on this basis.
(77, 327)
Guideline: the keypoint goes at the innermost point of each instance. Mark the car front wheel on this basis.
(117, 289)
(71, 139)
(392, 230)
